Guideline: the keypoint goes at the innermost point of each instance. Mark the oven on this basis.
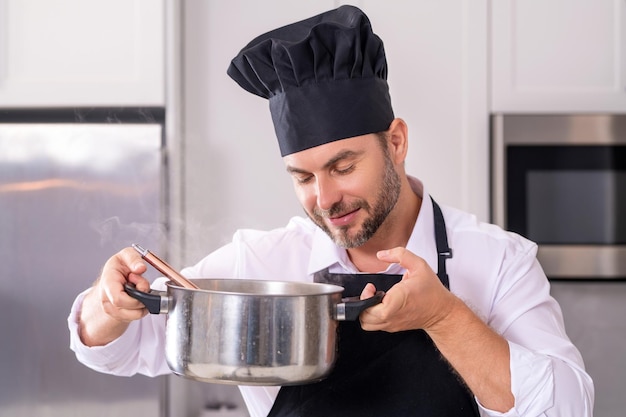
(560, 180)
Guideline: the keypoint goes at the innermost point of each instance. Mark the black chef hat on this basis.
(325, 78)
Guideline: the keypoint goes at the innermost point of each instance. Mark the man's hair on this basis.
(382, 140)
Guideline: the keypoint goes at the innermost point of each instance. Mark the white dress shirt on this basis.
(495, 272)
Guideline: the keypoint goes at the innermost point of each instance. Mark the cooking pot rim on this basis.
(259, 287)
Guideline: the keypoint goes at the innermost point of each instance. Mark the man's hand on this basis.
(107, 309)
(419, 301)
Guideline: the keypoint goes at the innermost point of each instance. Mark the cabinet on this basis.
(558, 56)
(76, 53)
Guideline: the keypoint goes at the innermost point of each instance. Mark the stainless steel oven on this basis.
(560, 180)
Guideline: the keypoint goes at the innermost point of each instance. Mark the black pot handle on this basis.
(154, 301)
(350, 308)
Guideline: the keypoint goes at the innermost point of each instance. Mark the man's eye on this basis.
(304, 180)
(346, 170)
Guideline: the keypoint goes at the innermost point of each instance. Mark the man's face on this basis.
(347, 187)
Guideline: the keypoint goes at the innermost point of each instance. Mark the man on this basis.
(467, 326)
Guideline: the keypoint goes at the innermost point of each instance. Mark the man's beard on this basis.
(386, 200)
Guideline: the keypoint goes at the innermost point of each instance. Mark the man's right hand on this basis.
(107, 309)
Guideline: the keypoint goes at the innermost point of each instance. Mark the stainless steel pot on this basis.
(249, 332)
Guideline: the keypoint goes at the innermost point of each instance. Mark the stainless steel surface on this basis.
(520, 129)
(70, 196)
(164, 305)
(252, 332)
(249, 332)
(584, 261)
(341, 311)
(568, 261)
(575, 129)
(498, 171)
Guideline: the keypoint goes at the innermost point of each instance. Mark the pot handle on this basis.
(154, 301)
(350, 308)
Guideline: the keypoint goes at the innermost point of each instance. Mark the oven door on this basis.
(565, 188)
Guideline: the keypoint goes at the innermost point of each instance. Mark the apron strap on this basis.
(444, 252)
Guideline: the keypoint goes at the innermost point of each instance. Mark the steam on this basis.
(113, 232)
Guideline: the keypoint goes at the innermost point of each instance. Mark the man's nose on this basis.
(328, 193)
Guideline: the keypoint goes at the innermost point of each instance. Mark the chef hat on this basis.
(325, 78)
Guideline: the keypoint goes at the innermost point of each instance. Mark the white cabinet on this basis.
(558, 56)
(81, 53)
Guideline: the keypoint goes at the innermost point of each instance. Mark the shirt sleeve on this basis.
(140, 350)
(544, 386)
(259, 400)
(547, 371)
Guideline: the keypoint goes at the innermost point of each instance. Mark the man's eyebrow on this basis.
(294, 170)
(332, 161)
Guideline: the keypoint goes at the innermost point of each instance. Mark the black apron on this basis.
(378, 373)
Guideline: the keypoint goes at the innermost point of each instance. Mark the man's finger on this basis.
(368, 291)
(405, 258)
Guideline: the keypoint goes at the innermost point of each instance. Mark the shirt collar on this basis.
(325, 254)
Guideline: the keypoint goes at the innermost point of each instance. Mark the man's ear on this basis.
(399, 140)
